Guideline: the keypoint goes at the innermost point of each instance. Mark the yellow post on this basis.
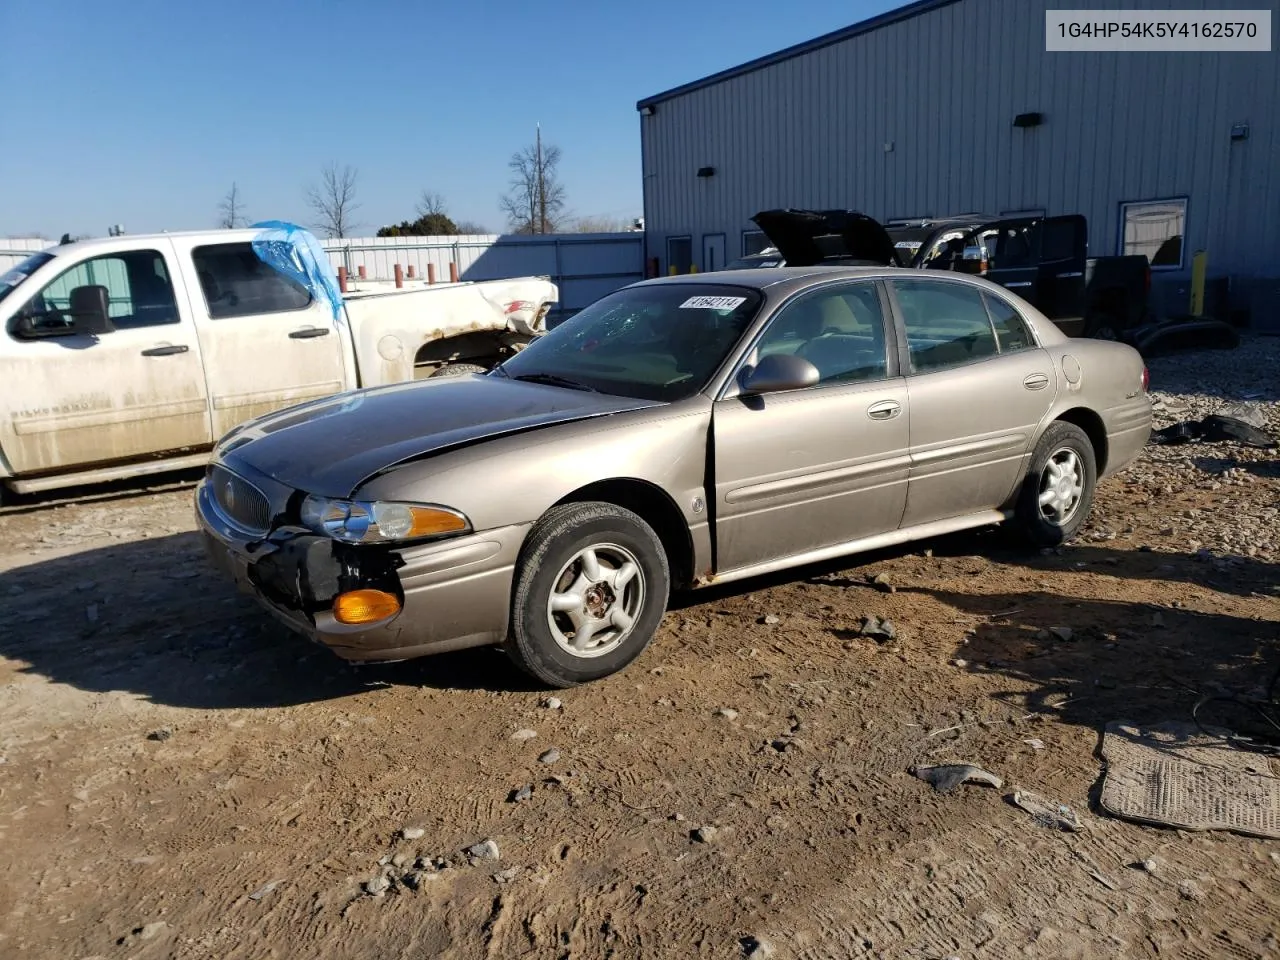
(671, 270)
(693, 268)
(1198, 262)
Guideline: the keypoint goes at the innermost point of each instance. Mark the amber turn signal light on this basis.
(364, 606)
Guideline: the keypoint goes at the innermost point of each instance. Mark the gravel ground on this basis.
(180, 778)
(1189, 387)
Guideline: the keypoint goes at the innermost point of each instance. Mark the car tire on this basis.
(1057, 492)
(458, 370)
(623, 588)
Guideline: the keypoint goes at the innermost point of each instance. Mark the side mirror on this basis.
(90, 310)
(778, 372)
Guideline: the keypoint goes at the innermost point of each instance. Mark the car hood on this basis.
(807, 238)
(330, 447)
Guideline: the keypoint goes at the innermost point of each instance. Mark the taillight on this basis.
(1146, 280)
(1146, 380)
(515, 305)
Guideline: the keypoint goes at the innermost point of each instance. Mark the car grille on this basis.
(241, 503)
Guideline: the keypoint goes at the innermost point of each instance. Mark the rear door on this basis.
(978, 386)
(1043, 261)
(77, 400)
(267, 342)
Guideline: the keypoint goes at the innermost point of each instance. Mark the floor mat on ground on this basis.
(1173, 774)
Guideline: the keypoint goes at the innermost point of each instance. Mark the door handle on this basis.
(306, 333)
(1036, 381)
(166, 351)
(1019, 283)
(884, 410)
(1073, 273)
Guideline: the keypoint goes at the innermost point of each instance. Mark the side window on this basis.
(1015, 247)
(946, 324)
(237, 284)
(1012, 332)
(1058, 240)
(840, 331)
(139, 293)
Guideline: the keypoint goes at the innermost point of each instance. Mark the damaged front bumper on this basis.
(453, 593)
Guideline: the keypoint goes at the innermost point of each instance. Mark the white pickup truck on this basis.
(132, 355)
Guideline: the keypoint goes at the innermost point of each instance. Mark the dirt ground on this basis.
(179, 777)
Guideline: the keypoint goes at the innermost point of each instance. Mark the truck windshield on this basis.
(661, 342)
(15, 275)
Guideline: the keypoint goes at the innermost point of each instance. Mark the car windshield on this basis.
(659, 341)
(15, 275)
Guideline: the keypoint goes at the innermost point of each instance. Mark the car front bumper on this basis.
(454, 593)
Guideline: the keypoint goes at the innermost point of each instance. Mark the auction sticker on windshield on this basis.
(713, 303)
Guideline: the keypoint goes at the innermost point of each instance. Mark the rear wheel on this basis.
(1057, 492)
(458, 370)
(591, 587)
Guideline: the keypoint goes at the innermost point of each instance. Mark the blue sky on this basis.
(143, 112)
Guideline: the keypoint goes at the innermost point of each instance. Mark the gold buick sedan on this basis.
(677, 433)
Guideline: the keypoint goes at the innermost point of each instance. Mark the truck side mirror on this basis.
(90, 310)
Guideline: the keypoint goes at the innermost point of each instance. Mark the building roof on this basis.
(827, 39)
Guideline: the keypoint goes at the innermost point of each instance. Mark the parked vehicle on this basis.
(678, 433)
(1043, 258)
(131, 355)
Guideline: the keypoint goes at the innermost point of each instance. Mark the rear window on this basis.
(236, 283)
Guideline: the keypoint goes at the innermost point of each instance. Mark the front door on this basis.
(799, 470)
(1044, 262)
(267, 342)
(138, 390)
(978, 385)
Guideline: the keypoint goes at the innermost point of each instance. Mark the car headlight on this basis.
(355, 521)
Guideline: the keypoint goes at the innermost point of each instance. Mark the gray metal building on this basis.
(911, 113)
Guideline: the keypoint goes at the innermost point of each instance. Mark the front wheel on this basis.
(1057, 492)
(591, 587)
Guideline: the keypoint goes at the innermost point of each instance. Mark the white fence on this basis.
(584, 266)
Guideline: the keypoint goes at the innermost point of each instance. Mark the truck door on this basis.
(74, 400)
(267, 342)
(1043, 261)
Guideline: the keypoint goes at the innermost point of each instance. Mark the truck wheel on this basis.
(1057, 492)
(591, 587)
(1102, 327)
(458, 370)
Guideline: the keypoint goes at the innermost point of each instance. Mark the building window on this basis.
(679, 254)
(1154, 228)
(753, 242)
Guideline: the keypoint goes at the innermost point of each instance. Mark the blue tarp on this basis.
(295, 252)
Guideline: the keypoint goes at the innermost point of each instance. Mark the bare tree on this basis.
(334, 201)
(471, 228)
(231, 210)
(430, 203)
(536, 200)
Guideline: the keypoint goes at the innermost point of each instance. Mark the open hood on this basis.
(807, 238)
